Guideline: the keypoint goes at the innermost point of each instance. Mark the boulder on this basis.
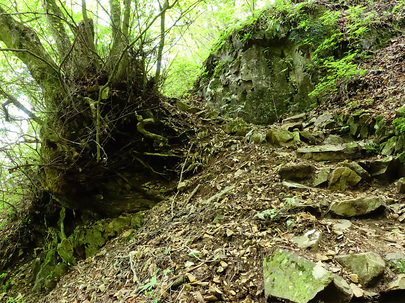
(311, 137)
(366, 266)
(383, 169)
(296, 172)
(356, 207)
(342, 178)
(280, 137)
(358, 169)
(295, 279)
(237, 127)
(330, 152)
(389, 146)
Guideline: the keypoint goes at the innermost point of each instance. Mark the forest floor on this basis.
(206, 243)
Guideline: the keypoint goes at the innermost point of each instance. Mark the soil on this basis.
(206, 243)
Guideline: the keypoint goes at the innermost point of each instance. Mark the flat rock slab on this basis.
(295, 279)
(330, 152)
(365, 265)
(356, 207)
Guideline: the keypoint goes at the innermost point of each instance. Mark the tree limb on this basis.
(18, 104)
(54, 18)
(25, 44)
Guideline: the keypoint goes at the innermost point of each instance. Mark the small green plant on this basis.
(399, 124)
(151, 285)
(337, 70)
(340, 68)
(267, 214)
(18, 299)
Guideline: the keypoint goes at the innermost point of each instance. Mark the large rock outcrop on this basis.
(265, 68)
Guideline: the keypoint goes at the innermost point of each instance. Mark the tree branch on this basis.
(25, 44)
(18, 104)
(54, 17)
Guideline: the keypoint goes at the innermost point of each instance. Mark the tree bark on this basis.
(55, 20)
(25, 44)
(161, 43)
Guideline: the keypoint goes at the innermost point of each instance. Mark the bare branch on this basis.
(18, 104)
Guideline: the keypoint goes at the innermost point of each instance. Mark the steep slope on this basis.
(259, 192)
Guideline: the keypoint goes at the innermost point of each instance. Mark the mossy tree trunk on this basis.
(92, 145)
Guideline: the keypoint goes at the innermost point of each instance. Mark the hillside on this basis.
(206, 243)
(323, 185)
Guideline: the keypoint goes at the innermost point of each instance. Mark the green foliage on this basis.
(399, 124)
(150, 287)
(337, 70)
(19, 299)
(181, 75)
(328, 58)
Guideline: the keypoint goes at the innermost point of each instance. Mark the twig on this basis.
(192, 194)
(220, 194)
(180, 179)
(131, 263)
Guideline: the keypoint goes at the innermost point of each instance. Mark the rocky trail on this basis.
(255, 200)
(311, 208)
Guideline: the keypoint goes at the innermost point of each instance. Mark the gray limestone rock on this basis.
(389, 146)
(382, 169)
(308, 137)
(308, 240)
(291, 126)
(296, 172)
(295, 279)
(295, 185)
(342, 178)
(341, 225)
(356, 207)
(398, 283)
(334, 140)
(324, 121)
(322, 176)
(401, 185)
(296, 118)
(330, 152)
(365, 265)
(396, 261)
(358, 169)
(280, 137)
